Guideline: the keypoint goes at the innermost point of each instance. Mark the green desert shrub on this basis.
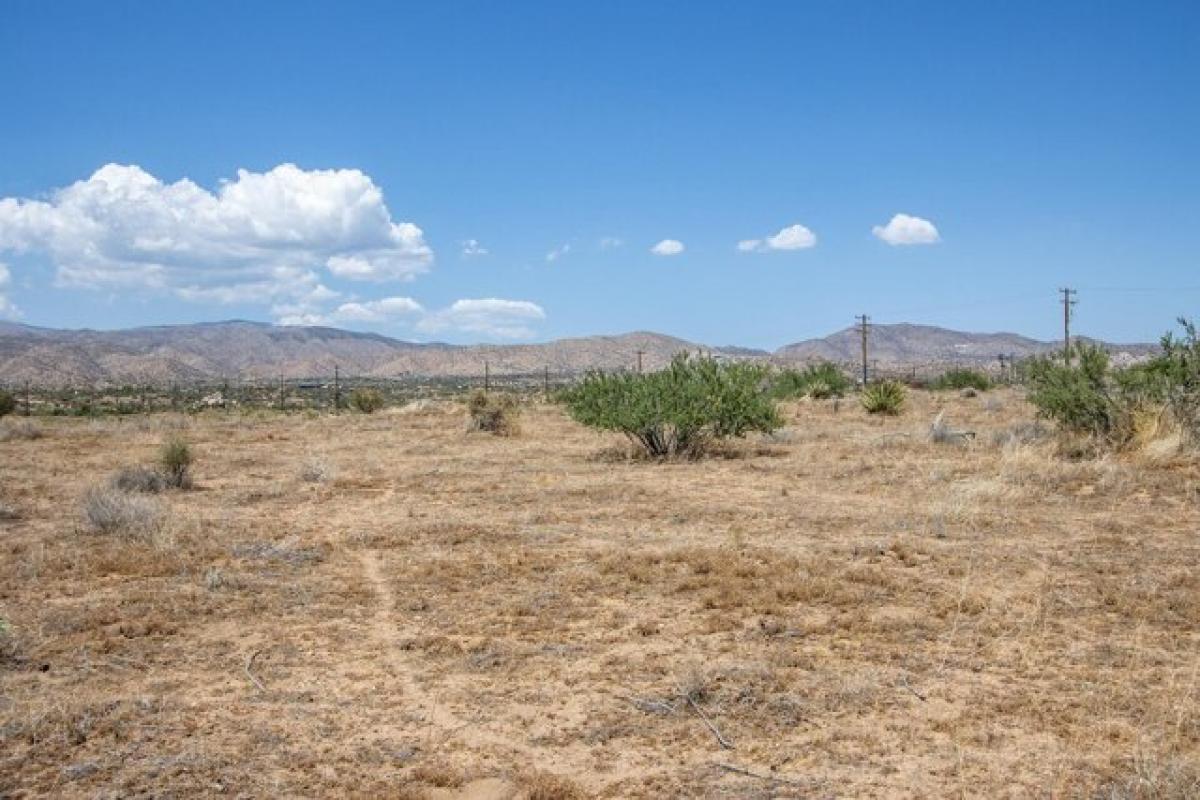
(495, 413)
(680, 410)
(884, 397)
(818, 381)
(367, 401)
(963, 378)
(8, 403)
(1080, 397)
(175, 460)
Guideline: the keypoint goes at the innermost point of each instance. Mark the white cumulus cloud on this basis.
(8, 309)
(472, 247)
(668, 247)
(793, 237)
(905, 229)
(490, 316)
(386, 310)
(558, 252)
(260, 238)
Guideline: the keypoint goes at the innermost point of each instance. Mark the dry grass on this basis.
(858, 610)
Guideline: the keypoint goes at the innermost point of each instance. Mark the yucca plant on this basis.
(884, 397)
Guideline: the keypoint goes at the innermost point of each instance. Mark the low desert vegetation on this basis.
(497, 413)
(679, 411)
(963, 378)
(14, 430)
(885, 397)
(367, 401)
(8, 403)
(112, 511)
(175, 460)
(816, 381)
(1116, 408)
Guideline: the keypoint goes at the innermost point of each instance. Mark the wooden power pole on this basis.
(863, 320)
(487, 376)
(337, 389)
(640, 353)
(1068, 303)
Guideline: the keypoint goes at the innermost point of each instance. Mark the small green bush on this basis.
(818, 381)
(884, 397)
(494, 413)
(681, 410)
(1080, 397)
(367, 401)
(8, 403)
(175, 460)
(963, 379)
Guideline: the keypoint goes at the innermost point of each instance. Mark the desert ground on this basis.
(387, 605)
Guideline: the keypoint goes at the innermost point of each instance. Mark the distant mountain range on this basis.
(209, 352)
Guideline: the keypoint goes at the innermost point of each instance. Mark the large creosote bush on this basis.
(367, 401)
(884, 397)
(1086, 397)
(818, 381)
(1081, 397)
(680, 410)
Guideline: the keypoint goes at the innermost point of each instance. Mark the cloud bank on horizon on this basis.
(291, 240)
(274, 239)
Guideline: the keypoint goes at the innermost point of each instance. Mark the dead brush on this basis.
(20, 430)
(110, 511)
(497, 414)
(940, 432)
(139, 479)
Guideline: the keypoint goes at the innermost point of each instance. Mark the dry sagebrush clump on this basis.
(494, 413)
(109, 510)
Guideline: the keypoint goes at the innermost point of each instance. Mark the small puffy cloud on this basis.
(904, 229)
(668, 247)
(7, 309)
(793, 237)
(610, 242)
(262, 237)
(558, 252)
(472, 247)
(489, 316)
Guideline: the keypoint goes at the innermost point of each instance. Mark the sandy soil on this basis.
(389, 606)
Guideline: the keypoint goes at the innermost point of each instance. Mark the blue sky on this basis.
(1047, 145)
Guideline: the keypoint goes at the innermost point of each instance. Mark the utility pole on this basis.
(1068, 304)
(281, 391)
(640, 353)
(27, 398)
(546, 379)
(337, 389)
(863, 320)
(487, 376)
